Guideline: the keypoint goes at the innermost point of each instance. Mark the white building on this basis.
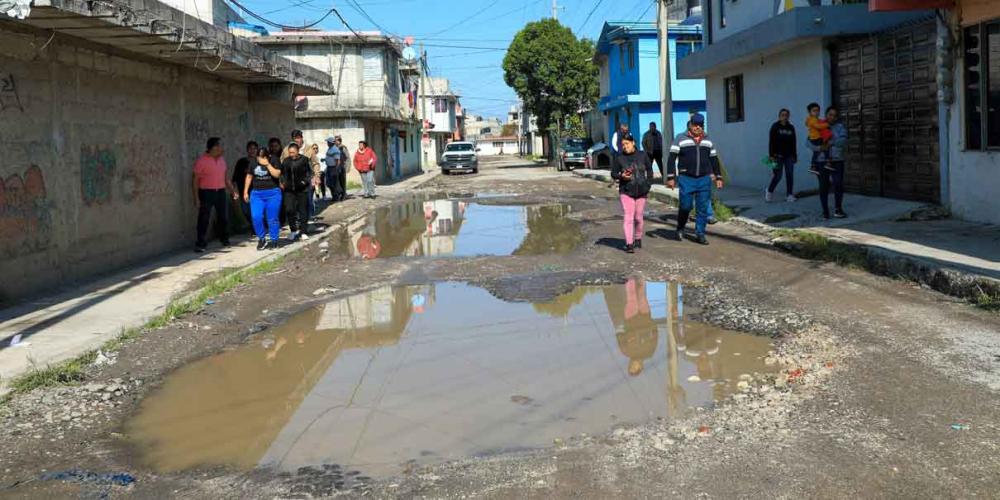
(370, 101)
(442, 107)
(479, 127)
(496, 146)
(878, 68)
(531, 141)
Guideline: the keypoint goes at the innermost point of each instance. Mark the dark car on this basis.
(573, 154)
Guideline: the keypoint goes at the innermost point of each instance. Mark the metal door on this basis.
(886, 90)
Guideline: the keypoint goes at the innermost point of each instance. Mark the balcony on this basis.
(376, 100)
(770, 34)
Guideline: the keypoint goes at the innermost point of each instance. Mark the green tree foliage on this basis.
(551, 70)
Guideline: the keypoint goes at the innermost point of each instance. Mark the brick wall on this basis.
(96, 170)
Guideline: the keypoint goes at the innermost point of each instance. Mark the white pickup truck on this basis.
(458, 157)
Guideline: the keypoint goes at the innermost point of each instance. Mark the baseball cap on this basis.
(698, 119)
(296, 133)
(331, 139)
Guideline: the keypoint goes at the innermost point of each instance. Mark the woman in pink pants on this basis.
(634, 172)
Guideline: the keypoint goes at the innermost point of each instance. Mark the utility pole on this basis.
(421, 92)
(666, 96)
(555, 9)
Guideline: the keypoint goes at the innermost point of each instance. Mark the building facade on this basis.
(628, 59)
(443, 108)
(100, 127)
(369, 102)
(890, 67)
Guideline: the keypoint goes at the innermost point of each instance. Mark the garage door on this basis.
(885, 87)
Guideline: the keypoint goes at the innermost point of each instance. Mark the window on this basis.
(734, 98)
(981, 61)
(722, 13)
(440, 105)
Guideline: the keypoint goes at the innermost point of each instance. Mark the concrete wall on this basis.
(98, 153)
(791, 79)
(973, 183)
(741, 15)
(492, 147)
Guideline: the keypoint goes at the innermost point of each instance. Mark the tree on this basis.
(551, 70)
(509, 130)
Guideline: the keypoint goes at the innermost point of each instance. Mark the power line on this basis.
(267, 21)
(449, 28)
(364, 14)
(591, 13)
(648, 7)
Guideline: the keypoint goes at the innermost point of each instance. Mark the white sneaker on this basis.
(294, 236)
(304, 236)
(791, 198)
(768, 196)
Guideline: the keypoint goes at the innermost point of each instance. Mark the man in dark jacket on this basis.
(693, 165)
(652, 144)
(334, 166)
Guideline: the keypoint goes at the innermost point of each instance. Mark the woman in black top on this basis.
(296, 177)
(262, 190)
(783, 152)
(240, 175)
(634, 172)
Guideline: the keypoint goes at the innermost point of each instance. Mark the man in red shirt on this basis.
(210, 185)
(365, 162)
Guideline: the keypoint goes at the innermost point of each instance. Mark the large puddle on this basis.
(460, 227)
(413, 374)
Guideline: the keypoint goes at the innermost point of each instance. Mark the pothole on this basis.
(401, 375)
(461, 228)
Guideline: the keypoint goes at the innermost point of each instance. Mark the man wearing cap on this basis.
(693, 166)
(334, 164)
(308, 152)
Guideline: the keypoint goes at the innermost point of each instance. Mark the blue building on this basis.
(628, 56)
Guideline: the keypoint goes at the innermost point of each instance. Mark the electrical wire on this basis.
(591, 13)
(463, 21)
(267, 21)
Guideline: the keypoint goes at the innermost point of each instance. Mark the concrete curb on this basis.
(880, 261)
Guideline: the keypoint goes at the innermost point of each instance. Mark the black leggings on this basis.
(836, 178)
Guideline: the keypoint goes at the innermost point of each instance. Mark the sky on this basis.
(465, 39)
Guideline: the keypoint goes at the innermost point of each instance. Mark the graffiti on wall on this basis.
(97, 172)
(25, 213)
(196, 129)
(9, 98)
(244, 121)
(144, 170)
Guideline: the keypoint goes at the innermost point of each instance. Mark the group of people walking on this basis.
(693, 166)
(276, 186)
(827, 137)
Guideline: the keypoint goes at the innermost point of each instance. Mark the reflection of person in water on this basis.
(637, 340)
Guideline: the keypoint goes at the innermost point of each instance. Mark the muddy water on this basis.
(461, 228)
(403, 375)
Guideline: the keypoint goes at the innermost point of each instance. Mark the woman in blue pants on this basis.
(263, 191)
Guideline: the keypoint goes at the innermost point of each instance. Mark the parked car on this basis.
(572, 155)
(459, 157)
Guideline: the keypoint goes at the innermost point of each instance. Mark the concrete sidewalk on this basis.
(62, 326)
(965, 250)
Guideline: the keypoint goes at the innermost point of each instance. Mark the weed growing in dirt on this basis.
(73, 371)
(809, 245)
(988, 301)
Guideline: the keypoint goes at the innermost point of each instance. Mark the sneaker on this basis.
(713, 220)
(638, 243)
(701, 239)
(629, 248)
(294, 236)
(839, 214)
(678, 235)
(791, 198)
(813, 170)
(261, 244)
(768, 196)
(272, 245)
(304, 236)
(829, 166)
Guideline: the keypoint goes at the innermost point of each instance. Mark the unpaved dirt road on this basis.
(487, 337)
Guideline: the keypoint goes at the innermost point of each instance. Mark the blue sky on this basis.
(460, 36)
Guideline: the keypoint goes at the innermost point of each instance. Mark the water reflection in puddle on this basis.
(460, 228)
(440, 371)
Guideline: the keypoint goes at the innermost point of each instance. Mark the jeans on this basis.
(368, 182)
(696, 192)
(633, 207)
(297, 208)
(209, 199)
(265, 205)
(835, 177)
(786, 165)
(311, 204)
(656, 157)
